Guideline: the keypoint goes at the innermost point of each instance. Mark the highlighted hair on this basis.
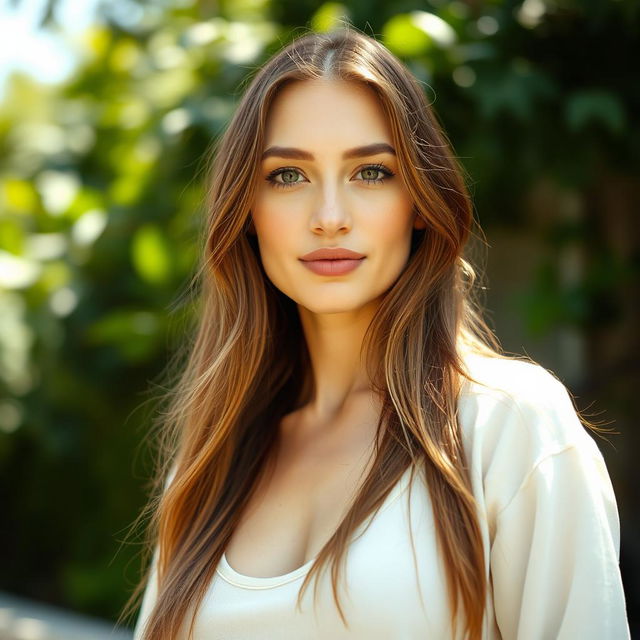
(248, 364)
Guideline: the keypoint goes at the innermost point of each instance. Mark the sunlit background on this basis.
(107, 110)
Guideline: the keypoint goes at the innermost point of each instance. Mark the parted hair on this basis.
(246, 364)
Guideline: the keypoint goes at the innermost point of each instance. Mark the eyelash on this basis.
(285, 185)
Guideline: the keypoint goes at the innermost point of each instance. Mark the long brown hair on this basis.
(248, 364)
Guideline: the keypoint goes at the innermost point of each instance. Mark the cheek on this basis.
(391, 221)
(276, 233)
(274, 217)
(267, 220)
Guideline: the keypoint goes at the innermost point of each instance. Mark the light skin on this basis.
(327, 200)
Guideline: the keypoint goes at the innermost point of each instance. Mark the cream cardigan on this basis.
(549, 522)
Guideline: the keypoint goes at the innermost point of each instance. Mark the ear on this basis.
(418, 222)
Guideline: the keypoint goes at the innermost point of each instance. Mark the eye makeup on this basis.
(380, 168)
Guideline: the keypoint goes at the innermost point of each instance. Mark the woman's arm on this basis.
(555, 553)
(554, 559)
(149, 598)
(151, 590)
(547, 502)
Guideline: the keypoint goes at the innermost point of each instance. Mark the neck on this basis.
(334, 341)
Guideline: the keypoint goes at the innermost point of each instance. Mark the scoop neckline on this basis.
(230, 575)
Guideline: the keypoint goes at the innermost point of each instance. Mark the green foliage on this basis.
(101, 193)
(597, 106)
(329, 16)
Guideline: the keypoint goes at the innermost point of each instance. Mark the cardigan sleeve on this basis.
(149, 598)
(151, 590)
(554, 559)
(555, 550)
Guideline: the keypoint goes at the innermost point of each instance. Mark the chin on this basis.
(334, 303)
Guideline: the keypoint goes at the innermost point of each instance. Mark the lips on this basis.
(334, 261)
(335, 253)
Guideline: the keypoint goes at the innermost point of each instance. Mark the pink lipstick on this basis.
(332, 261)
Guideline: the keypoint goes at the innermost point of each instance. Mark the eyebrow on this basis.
(356, 152)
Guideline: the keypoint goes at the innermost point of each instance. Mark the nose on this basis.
(329, 212)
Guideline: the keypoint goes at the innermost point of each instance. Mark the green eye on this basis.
(288, 177)
(370, 173)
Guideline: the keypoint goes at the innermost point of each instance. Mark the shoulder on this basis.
(514, 378)
(514, 416)
(509, 397)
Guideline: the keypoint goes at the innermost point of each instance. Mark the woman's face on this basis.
(319, 187)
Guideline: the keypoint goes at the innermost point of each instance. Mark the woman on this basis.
(343, 407)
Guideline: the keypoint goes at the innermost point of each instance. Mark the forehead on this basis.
(329, 110)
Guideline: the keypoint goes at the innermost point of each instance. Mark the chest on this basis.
(393, 586)
(298, 504)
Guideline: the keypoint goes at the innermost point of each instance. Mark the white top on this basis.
(548, 517)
